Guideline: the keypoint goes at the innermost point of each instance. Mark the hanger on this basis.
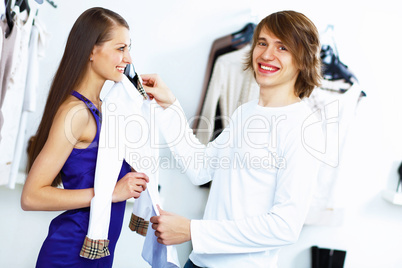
(333, 68)
(245, 35)
(10, 21)
(23, 5)
(327, 37)
(51, 3)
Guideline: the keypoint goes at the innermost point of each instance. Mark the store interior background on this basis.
(173, 38)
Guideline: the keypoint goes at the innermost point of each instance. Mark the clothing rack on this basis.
(220, 46)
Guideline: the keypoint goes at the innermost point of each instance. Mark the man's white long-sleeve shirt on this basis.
(263, 173)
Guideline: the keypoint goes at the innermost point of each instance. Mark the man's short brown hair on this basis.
(301, 38)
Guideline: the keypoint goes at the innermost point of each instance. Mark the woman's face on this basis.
(110, 58)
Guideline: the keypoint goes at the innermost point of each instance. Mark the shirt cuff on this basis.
(139, 225)
(195, 236)
(95, 249)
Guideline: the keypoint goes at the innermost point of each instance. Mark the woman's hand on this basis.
(131, 185)
(157, 89)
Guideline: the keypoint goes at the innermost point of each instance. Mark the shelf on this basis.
(392, 197)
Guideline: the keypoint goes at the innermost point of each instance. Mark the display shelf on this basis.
(392, 197)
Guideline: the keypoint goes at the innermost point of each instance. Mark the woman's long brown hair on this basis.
(93, 27)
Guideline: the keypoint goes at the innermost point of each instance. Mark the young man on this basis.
(261, 170)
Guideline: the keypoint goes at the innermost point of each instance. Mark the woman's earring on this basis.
(90, 59)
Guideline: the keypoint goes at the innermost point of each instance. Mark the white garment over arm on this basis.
(128, 133)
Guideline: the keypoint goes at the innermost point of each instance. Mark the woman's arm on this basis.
(70, 122)
(38, 194)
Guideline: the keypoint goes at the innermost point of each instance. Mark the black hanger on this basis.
(333, 68)
(245, 35)
(135, 79)
(23, 4)
(52, 3)
(10, 21)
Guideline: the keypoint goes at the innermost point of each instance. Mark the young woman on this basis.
(65, 146)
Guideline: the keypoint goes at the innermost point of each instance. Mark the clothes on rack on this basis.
(220, 46)
(338, 112)
(230, 86)
(24, 46)
(6, 64)
(337, 100)
(128, 133)
(334, 69)
(14, 80)
(37, 45)
(8, 42)
(2, 11)
(218, 101)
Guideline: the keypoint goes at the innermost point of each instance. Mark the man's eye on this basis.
(283, 48)
(121, 48)
(261, 44)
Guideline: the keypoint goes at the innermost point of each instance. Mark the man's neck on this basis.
(271, 97)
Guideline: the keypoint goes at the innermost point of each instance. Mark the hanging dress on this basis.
(67, 231)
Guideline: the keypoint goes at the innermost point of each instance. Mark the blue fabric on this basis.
(67, 231)
(190, 264)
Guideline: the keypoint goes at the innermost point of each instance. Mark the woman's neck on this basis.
(91, 89)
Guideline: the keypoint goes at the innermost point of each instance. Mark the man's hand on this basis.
(171, 229)
(157, 89)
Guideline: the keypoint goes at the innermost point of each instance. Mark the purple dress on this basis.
(68, 230)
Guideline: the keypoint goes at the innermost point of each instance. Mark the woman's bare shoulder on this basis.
(71, 118)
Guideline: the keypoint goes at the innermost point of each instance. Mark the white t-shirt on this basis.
(263, 174)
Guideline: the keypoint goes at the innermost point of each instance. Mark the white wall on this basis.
(173, 38)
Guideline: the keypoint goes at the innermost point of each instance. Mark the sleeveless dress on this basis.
(67, 231)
